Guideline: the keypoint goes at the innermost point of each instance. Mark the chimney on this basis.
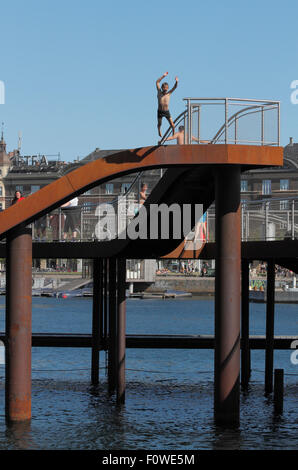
(291, 141)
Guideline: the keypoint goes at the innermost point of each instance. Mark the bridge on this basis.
(196, 174)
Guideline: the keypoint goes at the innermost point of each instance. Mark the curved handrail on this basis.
(241, 113)
(233, 118)
(90, 175)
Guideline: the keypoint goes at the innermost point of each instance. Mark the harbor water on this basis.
(169, 395)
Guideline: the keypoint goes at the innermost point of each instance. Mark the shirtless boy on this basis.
(179, 136)
(163, 97)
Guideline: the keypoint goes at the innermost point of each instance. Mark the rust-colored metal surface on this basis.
(186, 250)
(18, 326)
(121, 330)
(96, 319)
(227, 296)
(129, 161)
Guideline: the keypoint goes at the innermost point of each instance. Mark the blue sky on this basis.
(81, 74)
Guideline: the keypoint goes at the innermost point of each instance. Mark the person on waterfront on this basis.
(179, 136)
(143, 193)
(163, 97)
(72, 221)
(40, 227)
(142, 197)
(17, 197)
(57, 220)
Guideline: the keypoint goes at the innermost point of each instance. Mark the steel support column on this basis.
(269, 326)
(245, 351)
(97, 314)
(18, 325)
(112, 302)
(227, 295)
(105, 300)
(121, 330)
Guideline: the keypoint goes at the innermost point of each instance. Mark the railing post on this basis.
(293, 220)
(278, 124)
(81, 227)
(266, 219)
(199, 123)
(59, 223)
(262, 125)
(236, 130)
(226, 121)
(188, 121)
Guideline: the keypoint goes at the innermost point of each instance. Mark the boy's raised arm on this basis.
(175, 86)
(159, 80)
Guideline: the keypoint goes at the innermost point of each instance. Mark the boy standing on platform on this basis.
(163, 97)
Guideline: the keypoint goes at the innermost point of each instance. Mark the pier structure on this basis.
(195, 174)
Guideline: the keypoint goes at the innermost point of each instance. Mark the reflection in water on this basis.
(228, 437)
(19, 435)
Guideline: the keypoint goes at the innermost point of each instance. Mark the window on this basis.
(109, 188)
(284, 205)
(244, 186)
(266, 187)
(19, 187)
(34, 188)
(124, 187)
(1, 191)
(88, 206)
(284, 185)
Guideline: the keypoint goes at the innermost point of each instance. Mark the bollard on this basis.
(278, 390)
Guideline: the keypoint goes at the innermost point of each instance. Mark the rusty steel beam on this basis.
(227, 295)
(18, 325)
(245, 350)
(121, 329)
(269, 352)
(112, 302)
(129, 161)
(96, 319)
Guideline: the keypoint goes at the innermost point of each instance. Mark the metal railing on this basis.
(229, 121)
(225, 120)
(263, 220)
(83, 223)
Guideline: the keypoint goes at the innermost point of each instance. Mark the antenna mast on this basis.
(19, 142)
